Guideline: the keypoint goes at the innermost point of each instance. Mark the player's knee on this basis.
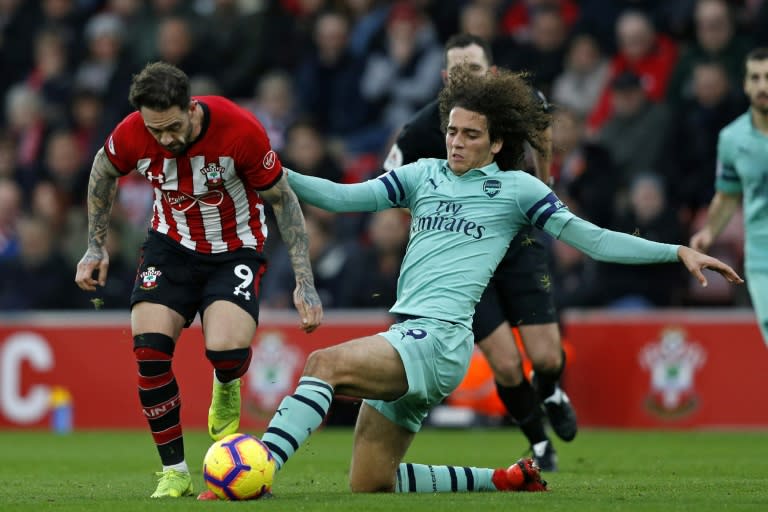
(321, 364)
(152, 346)
(548, 362)
(371, 482)
(230, 364)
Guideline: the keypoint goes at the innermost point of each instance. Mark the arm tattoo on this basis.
(290, 221)
(102, 189)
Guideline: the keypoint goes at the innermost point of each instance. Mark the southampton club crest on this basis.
(672, 363)
(149, 278)
(491, 187)
(214, 175)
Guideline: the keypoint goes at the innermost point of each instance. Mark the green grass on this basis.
(600, 470)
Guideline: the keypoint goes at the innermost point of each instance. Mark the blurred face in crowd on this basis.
(710, 84)
(468, 141)
(584, 54)
(173, 128)
(713, 24)
(756, 85)
(472, 56)
(479, 21)
(635, 35)
(388, 230)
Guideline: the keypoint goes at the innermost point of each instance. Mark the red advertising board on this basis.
(90, 358)
(651, 370)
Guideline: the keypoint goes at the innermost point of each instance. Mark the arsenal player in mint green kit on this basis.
(465, 210)
(742, 179)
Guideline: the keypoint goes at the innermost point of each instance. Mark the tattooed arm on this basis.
(290, 221)
(102, 188)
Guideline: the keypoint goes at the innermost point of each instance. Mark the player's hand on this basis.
(695, 262)
(94, 260)
(308, 304)
(702, 240)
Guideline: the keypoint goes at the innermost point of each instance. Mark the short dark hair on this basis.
(514, 115)
(160, 86)
(757, 54)
(464, 40)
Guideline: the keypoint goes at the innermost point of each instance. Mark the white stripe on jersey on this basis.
(236, 189)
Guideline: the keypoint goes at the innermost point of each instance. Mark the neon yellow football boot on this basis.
(173, 484)
(224, 413)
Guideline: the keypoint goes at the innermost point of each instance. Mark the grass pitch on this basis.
(600, 470)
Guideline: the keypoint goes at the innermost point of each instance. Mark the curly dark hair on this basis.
(160, 86)
(509, 104)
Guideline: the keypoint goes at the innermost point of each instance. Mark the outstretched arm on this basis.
(720, 212)
(290, 221)
(606, 245)
(369, 196)
(102, 189)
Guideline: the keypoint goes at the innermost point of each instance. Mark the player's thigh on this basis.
(542, 344)
(379, 447)
(230, 299)
(227, 326)
(165, 280)
(367, 367)
(148, 317)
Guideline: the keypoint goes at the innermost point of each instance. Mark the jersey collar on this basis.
(491, 168)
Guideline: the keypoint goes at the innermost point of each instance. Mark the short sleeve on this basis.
(121, 145)
(541, 207)
(258, 164)
(727, 179)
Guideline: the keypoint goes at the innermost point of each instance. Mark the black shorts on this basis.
(520, 290)
(189, 282)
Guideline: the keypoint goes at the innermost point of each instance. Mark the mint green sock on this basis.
(297, 417)
(423, 478)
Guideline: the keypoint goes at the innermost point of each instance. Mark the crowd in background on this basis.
(640, 88)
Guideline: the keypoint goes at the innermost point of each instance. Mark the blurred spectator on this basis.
(66, 17)
(328, 79)
(328, 257)
(584, 78)
(65, 165)
(586, 178)
(147, 25)
(716, 39)
(650, 216)
(50, 74)
(518, 18)
(234, 37)
(275, 106)
(19, 20)
(367, 19)
(10, 209)
(86, 114)
(691, 147)
(107, 68)
(478, 18)
(635, 132)
(370, 278)
(642, 51)
(403, 73)
(27, 125)
(8, 168)
(306, 151)
(39, 276)
(543, 53)
(178, 44)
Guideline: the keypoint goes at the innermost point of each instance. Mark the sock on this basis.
(159, 395)
(423, 478)
(181, 467)
(546, 381)
(297, 417)
(230, 364)
(523, 405)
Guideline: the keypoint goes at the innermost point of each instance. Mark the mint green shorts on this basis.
(436, 356)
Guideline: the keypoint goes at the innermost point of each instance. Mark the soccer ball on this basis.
(239, 467)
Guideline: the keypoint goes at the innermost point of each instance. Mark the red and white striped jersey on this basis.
(205, 199)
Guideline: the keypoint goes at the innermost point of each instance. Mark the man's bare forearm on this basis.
(720, 211)
(102, 189)
(290, 222)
